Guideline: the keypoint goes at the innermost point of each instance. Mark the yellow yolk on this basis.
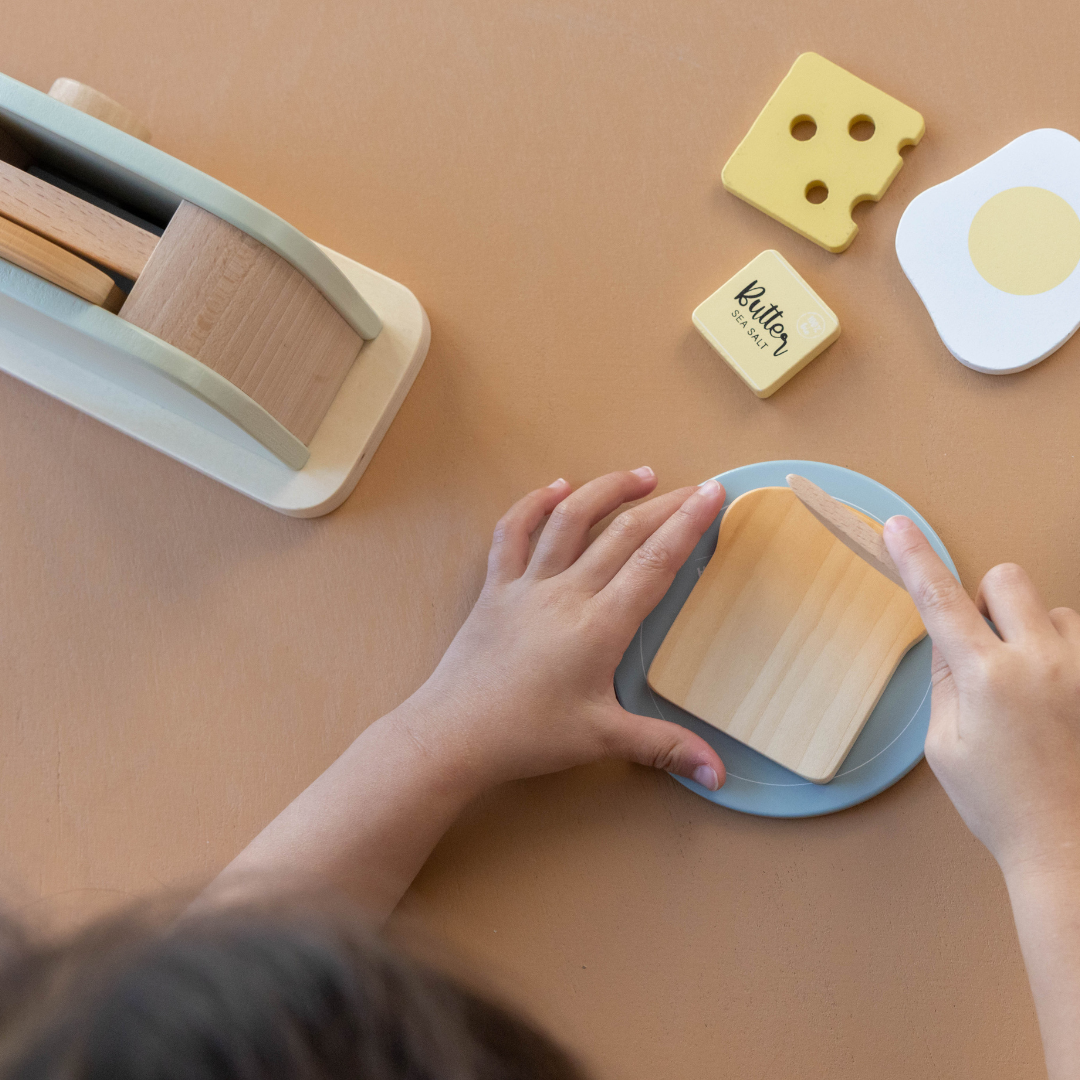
(1025, 240)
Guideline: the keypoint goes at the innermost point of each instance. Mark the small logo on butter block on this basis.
(811, 325)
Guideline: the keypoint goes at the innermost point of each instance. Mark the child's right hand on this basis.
(1004, 736)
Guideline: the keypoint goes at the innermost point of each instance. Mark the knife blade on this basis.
(850, 529)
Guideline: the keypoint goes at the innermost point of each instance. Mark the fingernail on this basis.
(898, 524)
(705, 775)
(709, 487)
(644, 472)
(557, 483)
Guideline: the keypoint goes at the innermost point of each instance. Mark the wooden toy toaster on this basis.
(160, 301)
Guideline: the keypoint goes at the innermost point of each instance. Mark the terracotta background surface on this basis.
(176, 662)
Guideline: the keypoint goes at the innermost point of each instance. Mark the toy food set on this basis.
(824, 142)
(160, 301)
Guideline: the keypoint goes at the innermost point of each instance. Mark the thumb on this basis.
(663, 745)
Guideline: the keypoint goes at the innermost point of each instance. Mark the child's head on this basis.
(250, 994)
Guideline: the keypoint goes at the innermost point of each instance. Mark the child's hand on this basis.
(1004, 736)
(526, 687)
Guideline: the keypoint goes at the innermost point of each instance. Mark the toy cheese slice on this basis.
(811, 183)
(229, 340)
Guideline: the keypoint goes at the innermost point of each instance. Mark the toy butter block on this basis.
(767, 323)
(806, 160)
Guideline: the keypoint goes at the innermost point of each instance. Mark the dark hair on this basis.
(250, 994)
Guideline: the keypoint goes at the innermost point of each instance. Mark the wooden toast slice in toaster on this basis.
(41, 257)
(83, 228)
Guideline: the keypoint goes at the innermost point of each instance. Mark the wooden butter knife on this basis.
(850, 529)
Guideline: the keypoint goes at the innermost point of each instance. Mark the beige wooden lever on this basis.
(850, 529)
(88, 100)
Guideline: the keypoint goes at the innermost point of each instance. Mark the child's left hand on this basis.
(526, 687)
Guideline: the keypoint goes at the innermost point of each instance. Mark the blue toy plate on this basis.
(890, 745)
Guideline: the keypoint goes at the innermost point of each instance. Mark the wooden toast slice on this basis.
(73, 223)
(43, 258)
(788, 639)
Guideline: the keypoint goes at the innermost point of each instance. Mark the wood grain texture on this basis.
(848, 526)
(12, 151)
(73, 223)
(88, 100)
(39, 256)
(222, 297)
(788, 639)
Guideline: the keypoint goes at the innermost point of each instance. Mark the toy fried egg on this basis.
(993, 253)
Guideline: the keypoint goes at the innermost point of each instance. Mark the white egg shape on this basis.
(993, 253)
